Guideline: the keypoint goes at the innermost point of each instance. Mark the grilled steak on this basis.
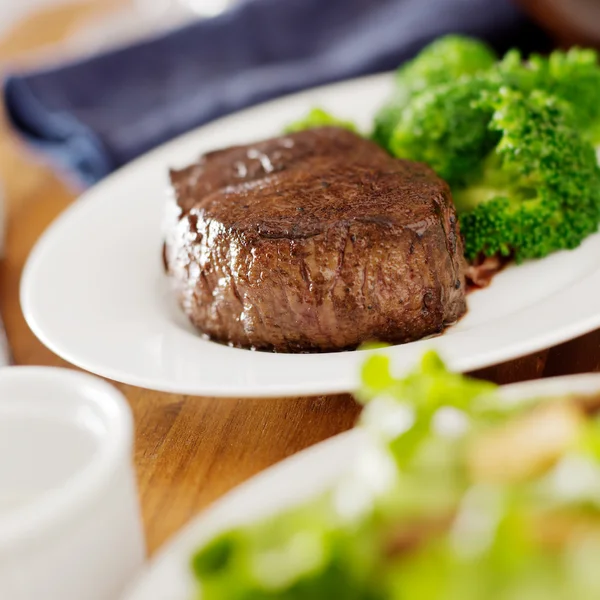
(315, 241)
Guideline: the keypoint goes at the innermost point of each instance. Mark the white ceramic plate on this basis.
(94, 290)
(168, 576)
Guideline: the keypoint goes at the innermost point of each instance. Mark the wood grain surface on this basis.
(190, 450)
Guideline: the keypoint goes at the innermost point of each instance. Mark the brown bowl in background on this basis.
(570, 22)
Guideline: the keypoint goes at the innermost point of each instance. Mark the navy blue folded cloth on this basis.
(92, 116)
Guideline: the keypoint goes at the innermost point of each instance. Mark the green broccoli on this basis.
(446, 127)
(445, 59)
(573, 77)
(509, 142)
(317, 117)
(538, 190)
(442, 61)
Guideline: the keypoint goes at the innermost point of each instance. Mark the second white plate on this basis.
(95, 293)
(168, 577)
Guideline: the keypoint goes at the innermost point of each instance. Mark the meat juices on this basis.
(315, 241)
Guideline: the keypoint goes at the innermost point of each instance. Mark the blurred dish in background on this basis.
(140, 19)
(183, 9)
(572, 22)
(100, 25)
(15, 11)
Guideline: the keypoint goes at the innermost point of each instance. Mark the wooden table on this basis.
(189, 450)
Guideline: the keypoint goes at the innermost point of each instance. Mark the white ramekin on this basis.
(70, 526)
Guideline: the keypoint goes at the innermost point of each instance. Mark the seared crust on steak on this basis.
(315, 241)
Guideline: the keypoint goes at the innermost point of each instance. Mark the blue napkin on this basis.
(92, 116)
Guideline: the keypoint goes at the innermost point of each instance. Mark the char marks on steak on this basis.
(314, 241)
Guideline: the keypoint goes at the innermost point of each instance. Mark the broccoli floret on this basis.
(525, 181)
(318, 117)
(538, 190)
(573, 77)
(447, 128)
(443, 61)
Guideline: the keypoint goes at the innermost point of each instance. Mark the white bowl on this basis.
(70, 526)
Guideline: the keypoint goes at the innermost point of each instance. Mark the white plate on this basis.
(94, 290)
(168, 576)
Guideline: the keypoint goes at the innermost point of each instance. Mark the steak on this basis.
(314, 241)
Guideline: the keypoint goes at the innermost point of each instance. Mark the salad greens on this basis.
(463, 497)
(515, 139)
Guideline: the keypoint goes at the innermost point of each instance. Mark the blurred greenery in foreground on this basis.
(457, 496)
